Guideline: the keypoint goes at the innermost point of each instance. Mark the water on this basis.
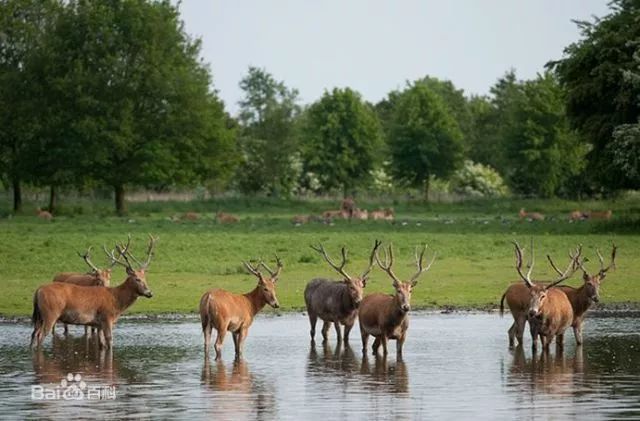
(453, 366)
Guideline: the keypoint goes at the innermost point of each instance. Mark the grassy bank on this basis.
(474, 264)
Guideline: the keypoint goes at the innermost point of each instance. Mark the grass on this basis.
(472, 239)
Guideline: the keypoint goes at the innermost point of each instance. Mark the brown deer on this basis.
(300, 219)
(336, 301)
(43, 214)
(385, 316)
(577, 215)
(361, 214)
(94, 306)
(348, 206)
(386, 214)
(97, 277)
(549, 311)
(606, 215)
(190, 216)
(532, 216)
(329, 215)
(226, 218)
(226, 311)
(582, 298)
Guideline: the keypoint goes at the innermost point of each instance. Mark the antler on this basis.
(388, 262)
(143, 266)
(114, 259)
(274, 275)
(371, 258)
(526, 278)
(604, 270)
(414, 278)
(575, 264)
(253, 270)
(87, 261)
(340, 269)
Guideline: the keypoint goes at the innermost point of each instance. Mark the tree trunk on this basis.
(121, 207)
(17, 195)
(426, 188)
(53, 199)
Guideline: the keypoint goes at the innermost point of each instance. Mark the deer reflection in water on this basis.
(237, 391)
(558, 375)
(76, 355)
(375, 373)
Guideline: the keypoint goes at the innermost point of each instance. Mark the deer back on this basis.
(324, 297)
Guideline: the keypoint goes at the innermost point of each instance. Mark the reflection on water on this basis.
(453, 366)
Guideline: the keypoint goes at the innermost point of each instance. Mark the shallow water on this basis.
(453, 366)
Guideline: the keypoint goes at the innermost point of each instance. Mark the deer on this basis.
(578, 215)
(548, 311)
(93, 306)
(348, 206)
(386, 214)
(336, 302)
(97, 277)
(43, 214)
(532, 216)
(606, 215)
(226, 218)
(361, 214)
(386, 316)
(229, 312)
(585, 296)
(329, 215)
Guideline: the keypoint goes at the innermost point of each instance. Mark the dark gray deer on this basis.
(336, 301)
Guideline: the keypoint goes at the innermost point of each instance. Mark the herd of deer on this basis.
(87, 299)
(576, 215)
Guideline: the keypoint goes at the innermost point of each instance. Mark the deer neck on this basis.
(256, 299)
(346, 300)
(579, 301)
(125, 295)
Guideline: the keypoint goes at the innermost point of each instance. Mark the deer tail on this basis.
(502, 304)
(36, 316)
(205, 310)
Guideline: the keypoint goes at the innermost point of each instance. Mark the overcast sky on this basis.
(375, 46)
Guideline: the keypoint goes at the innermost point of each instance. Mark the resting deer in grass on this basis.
(533, 216)
(226, 218)
(336, 301)
(582, 298)
(97, 277)
(226, 311)
(606, 215)
(548, 310)
(385, 316)
(90, 306)
(43, 214)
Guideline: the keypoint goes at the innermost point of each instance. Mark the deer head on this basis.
(538, 292)
(355, 285)
(266, 285)
(103, 276)
(592, 282)
(135, 277)
(404, 289)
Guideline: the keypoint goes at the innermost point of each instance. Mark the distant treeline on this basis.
(114, 94)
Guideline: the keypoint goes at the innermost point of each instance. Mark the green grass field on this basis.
(475, 260)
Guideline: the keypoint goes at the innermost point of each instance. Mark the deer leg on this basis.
(66, 329)
(219, 340)
(325, 331)
(376, 345)
(236, 341)
(107, 332)
(512, 334)
(347, 330)
(336, 324)
(365, 340)
(206, 330)
(241, 338)
(577, 332)
(519, 325)
(86, 330)
(560, 340)
(35, 336)
(383, 341)
(400, 344)
(313, 319)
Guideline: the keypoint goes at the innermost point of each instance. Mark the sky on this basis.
(376, 46)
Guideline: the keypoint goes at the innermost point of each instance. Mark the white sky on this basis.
(375, 46)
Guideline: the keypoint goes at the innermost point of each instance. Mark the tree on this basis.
(268, 137)
(23, 29)
(424, 138)
(143, 112)
(598, 98)
(341, 138)
(542, 150)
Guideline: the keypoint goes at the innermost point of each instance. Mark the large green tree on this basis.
(342, 136)
(543, 152)
(268, 137)
(424, 138)
(24, 26)
(599, 98)
(144, 113)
